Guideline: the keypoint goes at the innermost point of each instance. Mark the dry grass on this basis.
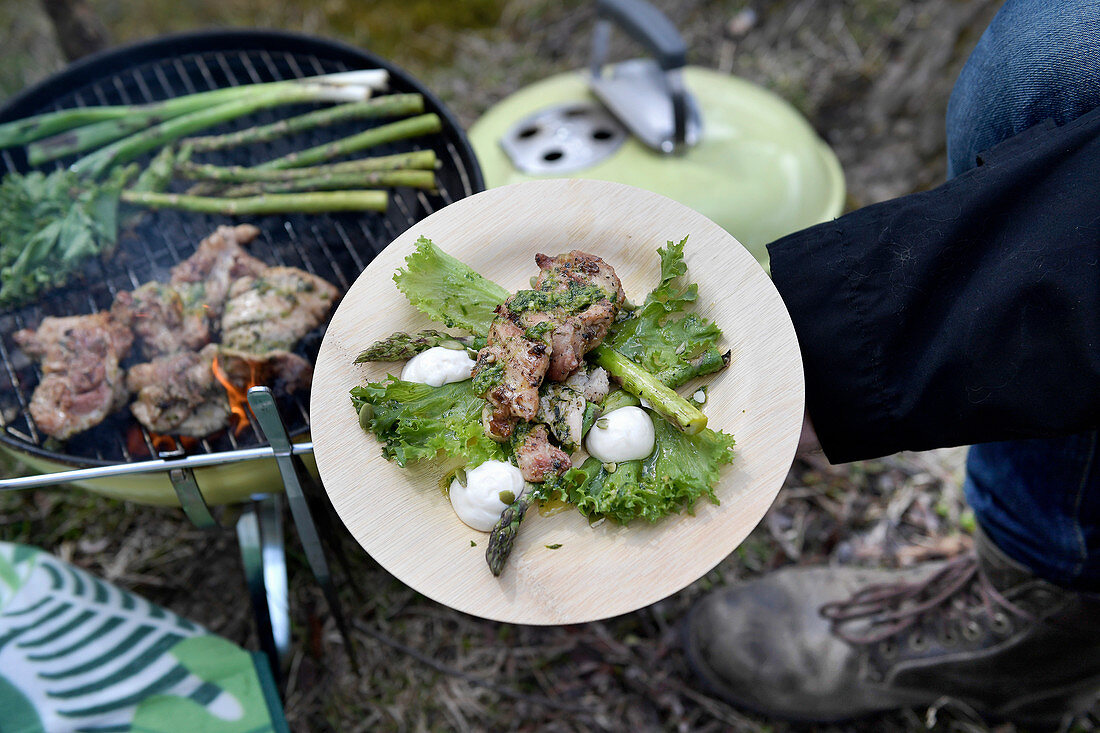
(873, 78)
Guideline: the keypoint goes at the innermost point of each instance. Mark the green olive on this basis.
(366, 414)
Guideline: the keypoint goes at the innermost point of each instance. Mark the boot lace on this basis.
(949, 596)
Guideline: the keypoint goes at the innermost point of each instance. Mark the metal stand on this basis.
(261, 539)
(295, 476)
(263, 553)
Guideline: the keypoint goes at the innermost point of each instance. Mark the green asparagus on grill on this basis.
(334, 181)
(397, 105)
(392, 132)
(415, 160)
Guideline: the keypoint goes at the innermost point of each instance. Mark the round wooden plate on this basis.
(400, 516)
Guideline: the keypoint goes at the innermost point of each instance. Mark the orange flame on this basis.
(135, 443)
(161, 442)
(238, 398)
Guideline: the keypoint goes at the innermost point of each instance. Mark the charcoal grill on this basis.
(336, 247)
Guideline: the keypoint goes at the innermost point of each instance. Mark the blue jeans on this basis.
(1038, 500)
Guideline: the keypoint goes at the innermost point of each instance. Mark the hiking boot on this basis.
(828, 644)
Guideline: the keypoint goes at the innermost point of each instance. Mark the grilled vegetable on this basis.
(503, 537)
(401, 130)
(416, 160)
(45, 240)
(396, 105)
(401, 346)
(86, 128)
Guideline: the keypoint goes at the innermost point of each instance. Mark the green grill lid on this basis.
(760, 171)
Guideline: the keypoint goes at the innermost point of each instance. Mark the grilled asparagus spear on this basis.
(503, 536)
(400, 346)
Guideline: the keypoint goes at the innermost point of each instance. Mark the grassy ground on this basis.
(872, 77)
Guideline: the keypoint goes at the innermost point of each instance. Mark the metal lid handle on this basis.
(648, 26)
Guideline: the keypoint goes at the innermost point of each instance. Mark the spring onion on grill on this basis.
(52, 222)
(139, 116)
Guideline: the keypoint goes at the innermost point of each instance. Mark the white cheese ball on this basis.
(626, 436)
(438, 366)
(478, 503)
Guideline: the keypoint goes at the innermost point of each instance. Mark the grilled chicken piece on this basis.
(82, 381)
(523, 362)
(204, 278)
(177, 394)
(162, 321)
(561, 408)
(594, 383)
(581, 295)
(578, 268)
(562, 405)
(284, 371)
(537, 458)
(272, 310)
(578, 333)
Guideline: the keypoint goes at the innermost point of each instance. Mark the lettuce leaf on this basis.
(653, 337)
(448, 290)
(681, 469)
(416, 421)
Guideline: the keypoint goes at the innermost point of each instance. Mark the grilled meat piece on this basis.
(579, 332)
(204, 278)
(561, 408)
(545, 332)
(177, 394)
(519, 364)
(537, 458)
(82, 381)
(594, 383)
(284, 371)
(578, 268)
(162, 321)
(273, 309)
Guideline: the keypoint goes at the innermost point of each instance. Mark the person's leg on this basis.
(1002, 629)
(1038, 500)
(1037, 60)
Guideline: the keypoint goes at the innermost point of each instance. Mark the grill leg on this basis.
(260, 537)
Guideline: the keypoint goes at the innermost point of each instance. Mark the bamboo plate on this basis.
(400, 516)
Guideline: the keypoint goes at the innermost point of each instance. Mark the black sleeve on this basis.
(964, 314)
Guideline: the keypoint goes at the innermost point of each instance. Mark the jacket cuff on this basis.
(814, 271)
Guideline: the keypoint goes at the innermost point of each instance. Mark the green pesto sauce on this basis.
(576, 298)
(539, 331)
(487, 378)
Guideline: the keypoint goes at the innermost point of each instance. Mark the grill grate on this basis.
(336, 247)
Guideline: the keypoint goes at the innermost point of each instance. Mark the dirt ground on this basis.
(873, 78)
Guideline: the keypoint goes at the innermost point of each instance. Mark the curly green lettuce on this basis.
(448, 290)
(418, 421)
(655, 337)
(681, 469)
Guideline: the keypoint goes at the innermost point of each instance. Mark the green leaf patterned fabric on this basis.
(79, 654)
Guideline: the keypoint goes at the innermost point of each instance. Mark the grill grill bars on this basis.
(335, 247)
